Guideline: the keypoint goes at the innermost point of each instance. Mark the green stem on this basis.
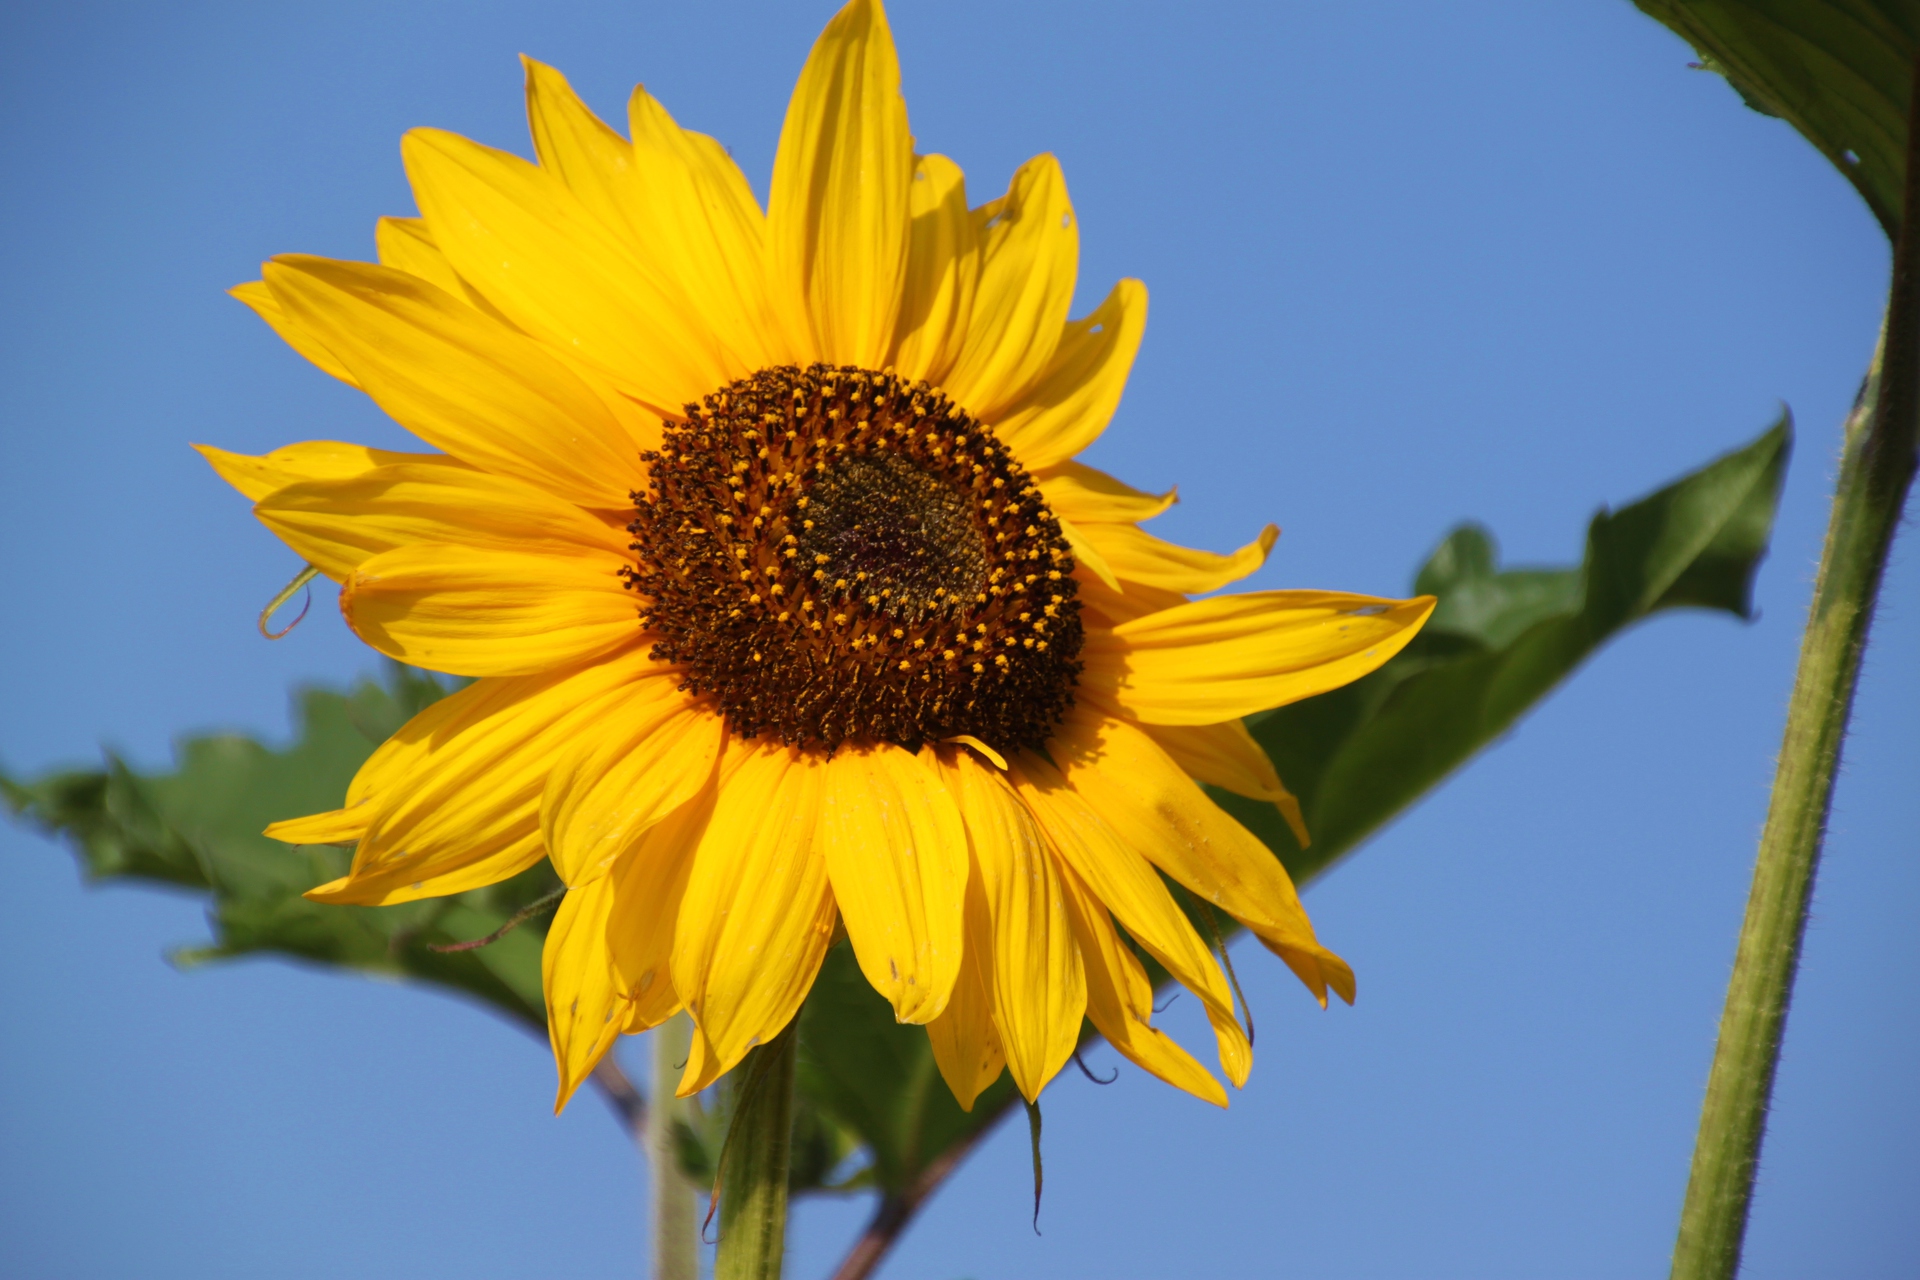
(675, 1215)
(1876, 469)
(755, 1162)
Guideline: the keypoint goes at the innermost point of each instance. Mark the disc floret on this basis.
(836, 553)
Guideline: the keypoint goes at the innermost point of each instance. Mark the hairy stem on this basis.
(1876, 470)
(674, 1213)
(755, 1162)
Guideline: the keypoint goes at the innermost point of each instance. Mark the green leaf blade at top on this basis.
(1839, 71)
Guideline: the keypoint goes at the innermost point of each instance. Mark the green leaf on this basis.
(1499, 641)
(1839, 71)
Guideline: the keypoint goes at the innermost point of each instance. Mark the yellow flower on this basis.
(790, 609)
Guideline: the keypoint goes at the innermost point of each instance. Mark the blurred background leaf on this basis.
(872, 1109)
(1839, 71)
(198, 829)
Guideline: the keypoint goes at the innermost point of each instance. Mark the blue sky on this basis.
(1409, 264)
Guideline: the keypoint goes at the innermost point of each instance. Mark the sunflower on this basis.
(791, 613)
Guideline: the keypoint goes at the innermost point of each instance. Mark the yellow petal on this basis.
(504, 864)
(943, 270)
(392, 885)
(1120, 1000)
(1217, 659)
(652, 750)
(965, 1045)
(336, 826)
(757, 915)
(985, 752)
(703, 1067)
(1102, 605)
(649, 882)
(694, 203)
(684, 211)
(576, 146)
(463, 382)
(896, 854)
(1030, 254)
(456, 791)
(388, 771)
(258, 476)
(1030, 960)
(1124, 776)
(1226, 756)
(584, 1008)
(258, 296)
(336, 525)
(1086, 557)
(406, 245)
(1071, 401)
(1138, 556)
(1076, 491)
(1092, 845)
(837, 212)
(477, 612)
(605, 964)
(521, 238)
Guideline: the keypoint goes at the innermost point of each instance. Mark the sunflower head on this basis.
(789, 609)
(836, 554)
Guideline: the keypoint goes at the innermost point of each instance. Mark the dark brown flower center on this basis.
(834, 553)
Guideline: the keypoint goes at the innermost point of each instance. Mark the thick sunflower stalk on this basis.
(1877, 463)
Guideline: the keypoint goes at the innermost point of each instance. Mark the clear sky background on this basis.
(1410, 263)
